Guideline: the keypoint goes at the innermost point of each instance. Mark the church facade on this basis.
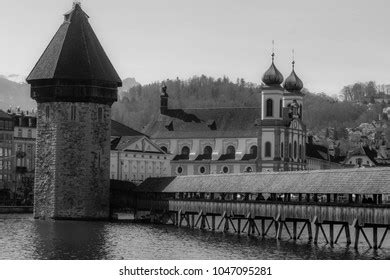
(236, 140)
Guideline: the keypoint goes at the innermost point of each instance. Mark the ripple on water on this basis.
(22, 237)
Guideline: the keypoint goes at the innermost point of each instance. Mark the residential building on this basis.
(134, 157)
(7, 155)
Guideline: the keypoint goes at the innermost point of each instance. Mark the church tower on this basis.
(74, 85)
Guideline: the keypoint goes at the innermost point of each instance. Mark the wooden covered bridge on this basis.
(268, 203)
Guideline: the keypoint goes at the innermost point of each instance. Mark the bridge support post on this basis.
(309, 231)
(331, 233)
(347, 234)
(375, 237)
(294, 230)
(280, 230)
(357, 233)
(213, 222)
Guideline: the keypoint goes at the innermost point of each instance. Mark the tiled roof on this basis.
(195, 123)
(120, 143)
(119, 129)
(342, 181)
(75, 53)
(4, 115)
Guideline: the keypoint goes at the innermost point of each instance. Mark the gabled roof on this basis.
(119, 129)
(75, 53)
(4, 115)
(340, 181)
(195, 123)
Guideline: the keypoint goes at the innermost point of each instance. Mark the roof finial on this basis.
(75, 3)
(273, 51)
(293, 59)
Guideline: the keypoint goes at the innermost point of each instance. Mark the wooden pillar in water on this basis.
(213, 222)
(295, 230)
(347, 233)
(331, 233)
(375, 237)
(280, 229)
(309, 230)
(357, 234)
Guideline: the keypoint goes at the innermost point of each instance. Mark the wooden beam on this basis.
(375, 237)
(383, 237)
(365, 237)
(338, 235)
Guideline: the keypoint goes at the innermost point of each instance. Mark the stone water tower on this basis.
(74, 84)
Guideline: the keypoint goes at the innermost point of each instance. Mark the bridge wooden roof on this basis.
(342, 181)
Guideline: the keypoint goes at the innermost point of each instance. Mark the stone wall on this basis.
(73, 161)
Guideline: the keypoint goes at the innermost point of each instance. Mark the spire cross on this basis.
(76, 3)
(293, 59)
(273, 50)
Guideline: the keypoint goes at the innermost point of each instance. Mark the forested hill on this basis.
(140, 104)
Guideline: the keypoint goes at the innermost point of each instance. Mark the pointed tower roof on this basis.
(75, 54)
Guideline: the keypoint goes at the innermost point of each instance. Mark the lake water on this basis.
(22, 237)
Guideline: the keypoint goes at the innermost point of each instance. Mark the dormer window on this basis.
(211, 124)
(169, 126)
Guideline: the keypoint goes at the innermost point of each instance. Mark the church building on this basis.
(236, 140)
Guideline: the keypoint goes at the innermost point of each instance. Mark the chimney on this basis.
(164, 99)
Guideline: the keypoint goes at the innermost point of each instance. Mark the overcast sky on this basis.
(336, 42)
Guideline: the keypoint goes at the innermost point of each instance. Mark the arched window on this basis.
(281, 150)
(300, 110)
(165, 149)
(268, 149)
(185, 152)
(269, 108)
(248, 169)
(289, 150)
(295, 149)
(253, 151)
(231, 152)
(225, 169)
(280, 108)
(207, 152)
(47, 113)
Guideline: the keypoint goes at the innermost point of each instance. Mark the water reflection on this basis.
(69, 240)
(21, 237)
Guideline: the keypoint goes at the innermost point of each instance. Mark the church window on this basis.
(225, 169)
(268, 149)
(289, 150)
(300, 110)
(253, 151)
(73, 113)
(248, 169)
(100, 114)
(269, 108)
(202, 170)
(231, 152)
(179, 170)
(185, 152)
(207, 152)
(281, 149)
(280, 108)
(47, 112)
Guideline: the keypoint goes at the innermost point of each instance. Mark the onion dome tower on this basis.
(272, 93)
(74, 84)
(293, 97)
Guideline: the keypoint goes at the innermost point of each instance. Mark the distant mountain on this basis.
(15, 92)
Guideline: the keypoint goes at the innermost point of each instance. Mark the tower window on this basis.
(295, 149)
(289, 150)
(73, 113)
(268, 149)
(29, 133)
(269, 108)
(280, 108)
(47, 113)
(100, 114)
(281, 149)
